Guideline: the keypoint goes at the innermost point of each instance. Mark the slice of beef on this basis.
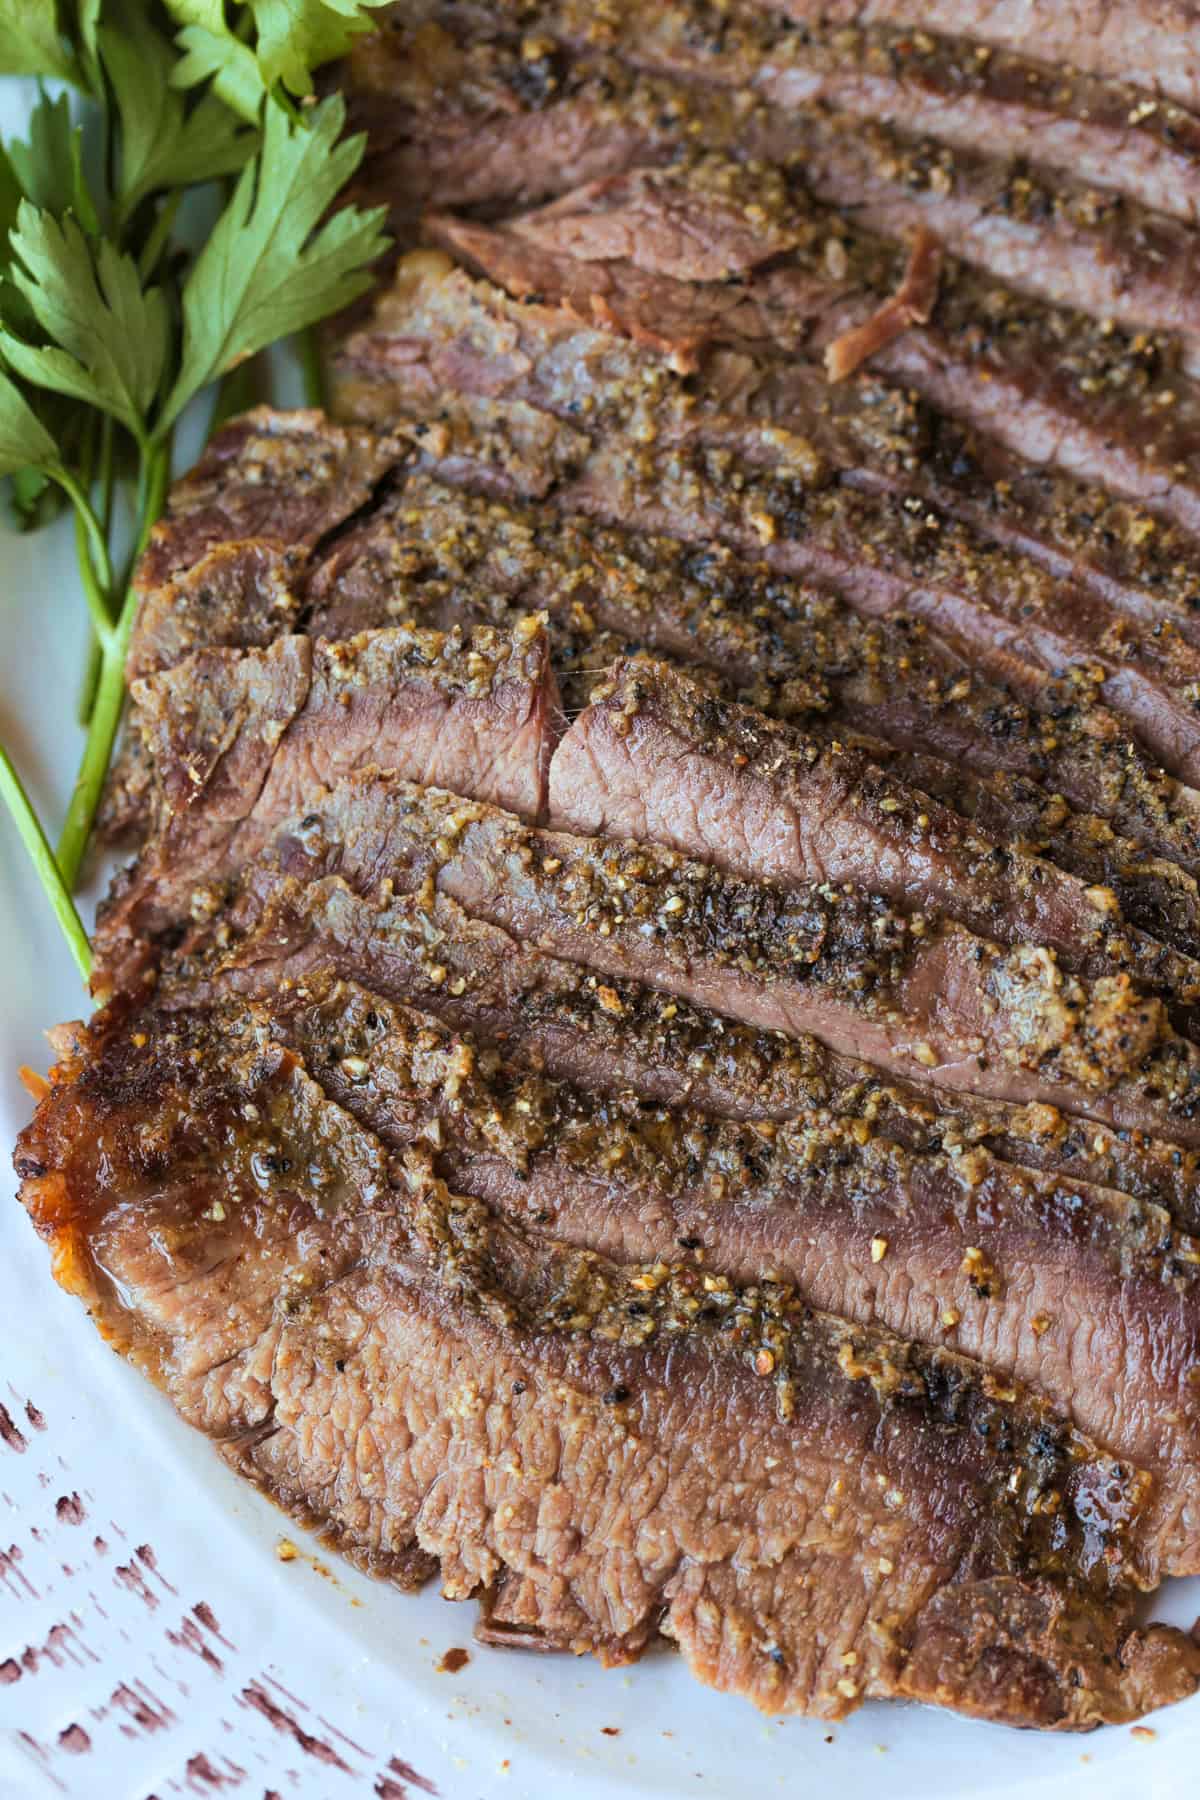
(615, 1036)
(434, 555)
(1084, 1294)
(861, 460)
(1052, 387)
(438, 554)
(914, 994)
(917, 558)
(1084, 247)
(239, 593)
(470, 115)
(784, 304)
(240, 740)
(1075, 246)
(286, 478)
(656, 757)
(877, 435)
(266, 1268)
(1097, 764)
(1157, 896)
(284, 483)
(1150, 42)
(1002, 104)
(724, 220)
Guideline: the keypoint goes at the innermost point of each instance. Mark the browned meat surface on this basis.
(979, 354)
(325, 473)
(872, 433)
(791, 651)
(437, 555)
(531, 120)
(240, 593)
(1003, 104)
(650, 1057)
(724, 221)
(433, 336)
(862, 459)
(912, 304)
(241, 741)
(657, 758)
(1150, 42)
(297, 1292)
(915, 994)
(613, 1036)
(1086, 1294)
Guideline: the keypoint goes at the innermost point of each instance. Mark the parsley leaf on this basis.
(87, 30)
(271, 266)
(31, 42)
(297, 36)
(109, 337)
(232, 68)
(33, 499)
(24, 441)
(291, 39)
(50, 166)
(10, 200)
(163, 143)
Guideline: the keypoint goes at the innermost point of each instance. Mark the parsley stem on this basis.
(311, 368)
(239, 389)
(87, 686)
(159, 235)
(110, 688)
(42, 858)
(97, 599)
(94, 559)
(106, 474)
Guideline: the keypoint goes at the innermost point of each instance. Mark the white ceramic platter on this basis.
(152, 1643)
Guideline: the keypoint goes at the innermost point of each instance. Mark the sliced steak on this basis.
(264, 1266)
(878, 436)
(437, 554)
(237, 490)
(1075, 246)
(1002, 104)
(519, 138)
(860, 456)
(655, 757)
(469, 113)
(918, 559)
(1082, 1293)
(615, 1036)
(432, 554)
(241, 594)
(1051, 386)
(240, 740)
(1157, 896)
(916, 995)
(1150, 42)
(273, 486)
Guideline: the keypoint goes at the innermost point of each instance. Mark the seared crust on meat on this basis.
(650, 1057)
(914, 992)
(275, 1271)
(614, 1036)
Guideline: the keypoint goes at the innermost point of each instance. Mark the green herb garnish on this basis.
(111, 323)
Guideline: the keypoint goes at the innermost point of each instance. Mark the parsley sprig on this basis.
(110, 323)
